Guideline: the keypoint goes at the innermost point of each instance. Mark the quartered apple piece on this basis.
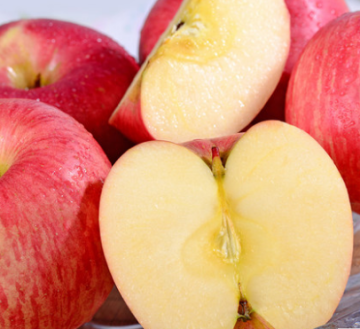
(210, 73)
(259, 238)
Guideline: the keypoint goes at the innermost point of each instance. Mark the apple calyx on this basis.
(227, 244)
(248, 318)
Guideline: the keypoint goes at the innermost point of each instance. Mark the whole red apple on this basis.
(52, 270)
(72, 67)
(323, 96)
(307, 17)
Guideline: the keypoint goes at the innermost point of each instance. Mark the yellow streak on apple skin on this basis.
(3, 168)
(10, 35)
(227, 243)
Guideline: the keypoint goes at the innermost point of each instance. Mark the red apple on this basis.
(210, 73)
(79, 70)
(307, 17)
(52, 270)
(323, 96)
(251, 232)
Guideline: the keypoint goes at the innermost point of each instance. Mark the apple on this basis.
(323, 96)
(247, 231)
(210, 74)
(307, 17)
(72, 67)
(53, 273)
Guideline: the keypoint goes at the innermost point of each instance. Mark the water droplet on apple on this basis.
(319, 4)
(98, 40)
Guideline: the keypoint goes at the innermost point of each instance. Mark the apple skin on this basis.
(307, 17)
(323, 96)
(53, 272)
(203, 147)
(89, 73)
(155, 25)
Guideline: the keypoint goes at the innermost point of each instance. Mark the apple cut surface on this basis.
(306, 16)
(211, 72)
(188, 244)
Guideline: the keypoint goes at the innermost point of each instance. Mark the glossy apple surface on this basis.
(52, 270)
(210, 74)
(212, 234)
(307, 17)
(323, 96)
(78, 70)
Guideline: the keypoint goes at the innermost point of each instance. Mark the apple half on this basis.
(250, 232)
(210, 73)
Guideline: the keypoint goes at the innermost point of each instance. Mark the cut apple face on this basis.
(210, 73)
(263, 239)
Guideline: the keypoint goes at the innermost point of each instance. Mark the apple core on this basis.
(227, 244)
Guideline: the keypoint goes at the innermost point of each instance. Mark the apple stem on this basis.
(217, 166)
(37, 82)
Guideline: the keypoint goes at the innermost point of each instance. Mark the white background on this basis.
(119, 19)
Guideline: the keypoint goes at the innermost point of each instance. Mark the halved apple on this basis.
(210, 73)
(254, 235)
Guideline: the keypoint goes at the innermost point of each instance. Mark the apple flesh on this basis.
(323, 96)
(266, 224)
(307, 17)
(53, 273)
(210, 74)
(78, 70)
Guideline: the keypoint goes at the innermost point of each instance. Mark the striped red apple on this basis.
(323, 96)
(52, 269)
(81, 71)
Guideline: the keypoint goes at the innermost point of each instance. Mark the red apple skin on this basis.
(52, 270)
(256, 322)
(155, 25)
(307, 17)
(92, 73)
(323, 96)
(203, 147)
(130, 120)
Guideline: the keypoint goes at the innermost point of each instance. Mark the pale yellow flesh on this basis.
(213, 75)
(160, 216)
